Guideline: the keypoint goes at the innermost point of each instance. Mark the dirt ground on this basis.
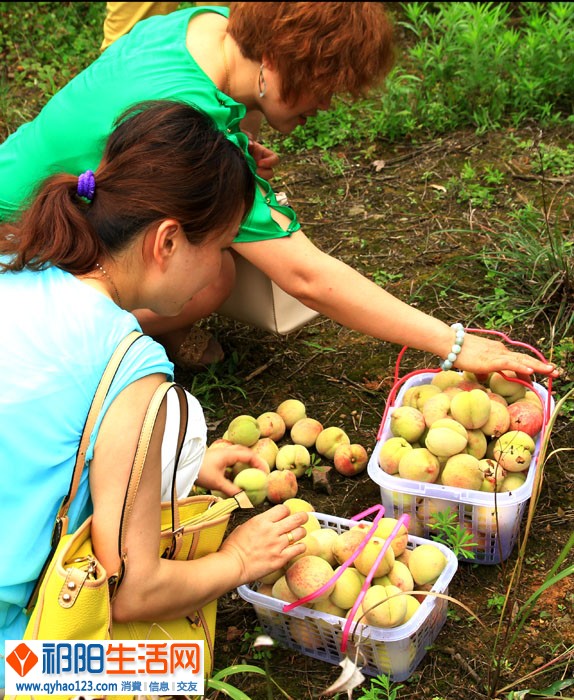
(392, 212)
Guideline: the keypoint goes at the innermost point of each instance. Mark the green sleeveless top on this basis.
(151, 62)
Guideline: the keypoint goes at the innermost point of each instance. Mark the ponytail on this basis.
(164, 160)
(54, 229)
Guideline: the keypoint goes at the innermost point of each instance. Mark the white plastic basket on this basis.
(493, 518)
(395, 652)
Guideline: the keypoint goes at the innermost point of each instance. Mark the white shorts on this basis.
(194, 446)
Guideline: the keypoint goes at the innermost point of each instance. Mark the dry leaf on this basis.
(439, 188)
(350, 678)
(379, 165)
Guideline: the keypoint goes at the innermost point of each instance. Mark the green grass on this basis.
(461, 65)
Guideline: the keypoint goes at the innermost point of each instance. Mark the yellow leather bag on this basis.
(73, 598)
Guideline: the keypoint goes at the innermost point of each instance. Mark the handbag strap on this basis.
(222, 507)
(93, 413)
(61, 521)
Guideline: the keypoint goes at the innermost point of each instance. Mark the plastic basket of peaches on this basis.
(460, 450)
(364, 592)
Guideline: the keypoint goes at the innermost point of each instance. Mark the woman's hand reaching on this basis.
(483, 355)
(266, 542)
(265, 158)
(213, 473)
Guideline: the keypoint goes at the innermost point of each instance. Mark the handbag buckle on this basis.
(115, 580)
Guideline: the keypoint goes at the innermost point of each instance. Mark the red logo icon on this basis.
(22, 659)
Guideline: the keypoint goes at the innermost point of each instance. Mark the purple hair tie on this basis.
(87, 185)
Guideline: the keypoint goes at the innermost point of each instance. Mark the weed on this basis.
(381, 689)
(450, 532)
(247, 647)
(496, 602)
(383, 277)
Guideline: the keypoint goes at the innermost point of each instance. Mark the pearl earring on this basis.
(262, 83)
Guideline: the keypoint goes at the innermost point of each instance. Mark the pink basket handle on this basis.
(398, 381)
(380, 510)
(403, 520)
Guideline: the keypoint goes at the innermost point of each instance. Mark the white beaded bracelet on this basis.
(456, 348)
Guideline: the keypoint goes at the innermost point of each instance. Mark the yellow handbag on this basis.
(74, 593)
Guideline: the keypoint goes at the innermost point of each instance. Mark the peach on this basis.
(493, 475)
(498, 421)
(366, 559)
(266, 448)
(281, 590)
(496, 397)
(265, 589)
(384, 528)
(446, 437)
(329, 439)
(426, 564)
(350, 460)
(281, 485)
(384, 606)
(532, 396)
(295, 458)
(271, 425)
(478, 378)
(477, 443)
(471, 408)
(407, 422)
(347, 588)
(291, 411)
(509, 390)
(308, 574)
(526, 416)
(243, 430)
(401, 577)
(412, 607)
(329, 608)
(220, 442)
(512, 481)
(296, 505)
(325, 538)
(514, 450)
(417, 396)
(489, 518)
(254, 483)
(419, 465)
(447, 379)
(241, 466)
(429, 508)
(312, 523)
(390, 454)
(305, 431)
(462, 471)
(346, 544)
(303, 634)
(272, 577)
(435, 408)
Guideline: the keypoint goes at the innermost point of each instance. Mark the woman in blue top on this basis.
(285, 60)
(148, 229)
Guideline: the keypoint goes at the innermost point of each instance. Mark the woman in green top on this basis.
(285, 60)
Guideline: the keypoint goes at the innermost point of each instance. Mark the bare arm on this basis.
(155, 588)
(336, 290)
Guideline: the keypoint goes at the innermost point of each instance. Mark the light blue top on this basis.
(56, 339)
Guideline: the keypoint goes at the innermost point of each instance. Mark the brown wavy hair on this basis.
(323, 47)
(164, 160)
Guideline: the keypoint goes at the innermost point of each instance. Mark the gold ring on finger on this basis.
(290, 537)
